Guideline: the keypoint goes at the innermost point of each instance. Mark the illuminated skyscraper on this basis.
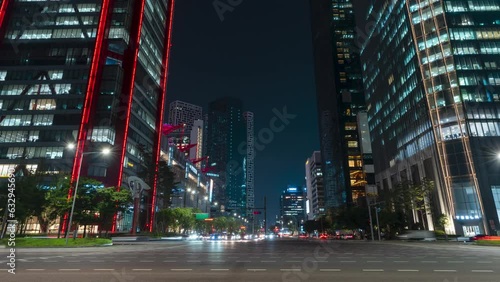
(227, 150)
(92, 73)
(432, 76)
(340, 97)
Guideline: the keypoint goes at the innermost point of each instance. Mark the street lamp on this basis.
(104, 151)
(498, 156)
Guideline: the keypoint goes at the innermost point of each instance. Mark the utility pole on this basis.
(370, 214)
(265, 215)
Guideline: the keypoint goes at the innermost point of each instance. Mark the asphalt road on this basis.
(284, 260)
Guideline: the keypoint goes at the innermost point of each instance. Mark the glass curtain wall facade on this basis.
(454, 47)
(340, 97)
(226, 148)
(92, 73)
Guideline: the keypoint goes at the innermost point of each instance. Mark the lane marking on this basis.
(194, 261)
(219, 269)
(74, 260)
(169, 261)
(146, 261)
(35, 269)
(122, 261)
(104, 269)
(69, 269)
(373, 270)
(485, 261)
(293, 261)
(181, 269)
(374, 261)
(256, 269)
(408, 270)
(347, 261)
(329, 269)
(445, 270)
(428, 261)
(400, 261)
(455, 261)
(267, 261)
(290, 269)
(482, 270)
(96, 261)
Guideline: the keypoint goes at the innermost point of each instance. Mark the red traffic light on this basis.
(256, 212)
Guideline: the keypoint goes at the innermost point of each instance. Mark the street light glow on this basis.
(498, 156)
(70, 145)
(106, 151)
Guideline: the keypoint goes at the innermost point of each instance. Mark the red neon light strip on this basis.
(161, 102)
(131, 94)
(94, 68)
(3, 13)
(3, 10)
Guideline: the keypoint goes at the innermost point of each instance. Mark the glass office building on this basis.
(339, 94)
(432, 76)
(88, 73)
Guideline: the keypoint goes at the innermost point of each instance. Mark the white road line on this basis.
(243, 261)
(408, 270)
(373, 270)
(256, 269)
(293, 261)
(194, 261)
(104, 269)
(329, 269)
(374, 261)
(445, 270)
(122, 261)
(398, 261)
(455, 261)
(169, 261)
(35, 269)
(347, 261)
(142, 269)
(267, 261)
(74, 260)
(181, 269)
(219, 269)
(96, 261)
(482, 270)
(484, 261)
(146, 261)
(218, 261)
(290, 269)
(69, 269)
(51, 261)
(428, 261)
(297, 257)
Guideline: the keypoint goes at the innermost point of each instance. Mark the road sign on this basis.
(201, 216)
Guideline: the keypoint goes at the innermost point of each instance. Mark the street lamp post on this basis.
(70, 146)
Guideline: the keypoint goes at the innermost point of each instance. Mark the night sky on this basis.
(261, 53)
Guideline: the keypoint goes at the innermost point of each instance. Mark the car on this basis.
(424, 235)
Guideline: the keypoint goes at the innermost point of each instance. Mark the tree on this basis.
(442, 221)
(109, 202)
